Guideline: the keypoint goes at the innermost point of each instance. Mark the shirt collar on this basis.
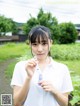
(52, 62)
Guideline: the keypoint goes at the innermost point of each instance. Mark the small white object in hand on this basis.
(40, 78)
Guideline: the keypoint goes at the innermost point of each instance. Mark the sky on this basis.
(20, 10)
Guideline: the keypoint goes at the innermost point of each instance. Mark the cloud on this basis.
(19, 10)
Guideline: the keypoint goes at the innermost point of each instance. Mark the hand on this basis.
(47, 86)
(30, 67)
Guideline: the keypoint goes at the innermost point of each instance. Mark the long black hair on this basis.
(39, 32)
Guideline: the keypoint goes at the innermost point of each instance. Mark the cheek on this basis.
(34, 49)
(47, 50)
(47, 47)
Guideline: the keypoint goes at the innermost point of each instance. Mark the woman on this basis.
(41, 81)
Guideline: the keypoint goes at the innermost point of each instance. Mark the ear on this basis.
(30, 44)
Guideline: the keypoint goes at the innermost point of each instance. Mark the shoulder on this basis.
(22, 62)
(19, 68)
(60, 66)
(20, 65)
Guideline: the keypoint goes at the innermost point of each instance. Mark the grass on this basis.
(12, 50)
(66, 52)
(10, 69)
(60, 52)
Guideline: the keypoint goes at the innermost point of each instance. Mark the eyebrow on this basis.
(40, 42)
(44, 41)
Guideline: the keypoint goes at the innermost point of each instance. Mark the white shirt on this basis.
(57, 73)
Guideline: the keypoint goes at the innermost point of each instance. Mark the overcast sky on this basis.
(63, 10)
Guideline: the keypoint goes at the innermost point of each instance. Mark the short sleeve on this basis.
(67, 82)
(17, 78)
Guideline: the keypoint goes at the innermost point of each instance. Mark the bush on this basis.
(55, 31)
(68, 33)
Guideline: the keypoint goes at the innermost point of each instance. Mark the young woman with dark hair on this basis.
(41, 81)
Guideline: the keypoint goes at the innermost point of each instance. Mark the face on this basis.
(41, 49)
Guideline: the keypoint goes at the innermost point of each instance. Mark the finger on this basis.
(46, 88)
(32, 63)
(44, 83)
(32, 60)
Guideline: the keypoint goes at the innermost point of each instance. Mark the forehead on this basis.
(41, 39)
(39, 36)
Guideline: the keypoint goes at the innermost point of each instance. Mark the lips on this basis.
(41, 54)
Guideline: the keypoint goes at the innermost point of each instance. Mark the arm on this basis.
(62, 98)
(20, 93)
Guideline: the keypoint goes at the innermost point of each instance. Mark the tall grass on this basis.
(13, 50)
(60, 52)
(66, 52)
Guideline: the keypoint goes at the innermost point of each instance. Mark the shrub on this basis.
(68, 33)
(56, 33)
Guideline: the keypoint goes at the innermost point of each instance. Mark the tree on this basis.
(63, 33)
(30, 23)
(2, 24)
(45, 19)
(7, 25)
(56, 33)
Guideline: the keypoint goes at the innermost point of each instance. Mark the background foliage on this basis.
(68, 33)
(63, 33)
(7, 25)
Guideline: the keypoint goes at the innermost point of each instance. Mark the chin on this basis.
(41, 57)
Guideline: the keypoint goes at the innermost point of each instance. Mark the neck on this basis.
(46, 60)
(43, 63)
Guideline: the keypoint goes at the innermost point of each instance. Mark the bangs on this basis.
(39, 36)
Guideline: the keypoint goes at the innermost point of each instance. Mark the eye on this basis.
(34, 44)
(44, 43)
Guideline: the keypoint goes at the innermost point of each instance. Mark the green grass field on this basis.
(12, 50)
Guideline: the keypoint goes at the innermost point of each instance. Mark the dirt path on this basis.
(5, 82)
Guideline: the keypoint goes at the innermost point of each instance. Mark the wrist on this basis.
(28, 78)
(54, 92)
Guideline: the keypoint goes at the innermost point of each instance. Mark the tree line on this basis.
(62, 33)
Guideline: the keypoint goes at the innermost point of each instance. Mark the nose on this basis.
(40, 47)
